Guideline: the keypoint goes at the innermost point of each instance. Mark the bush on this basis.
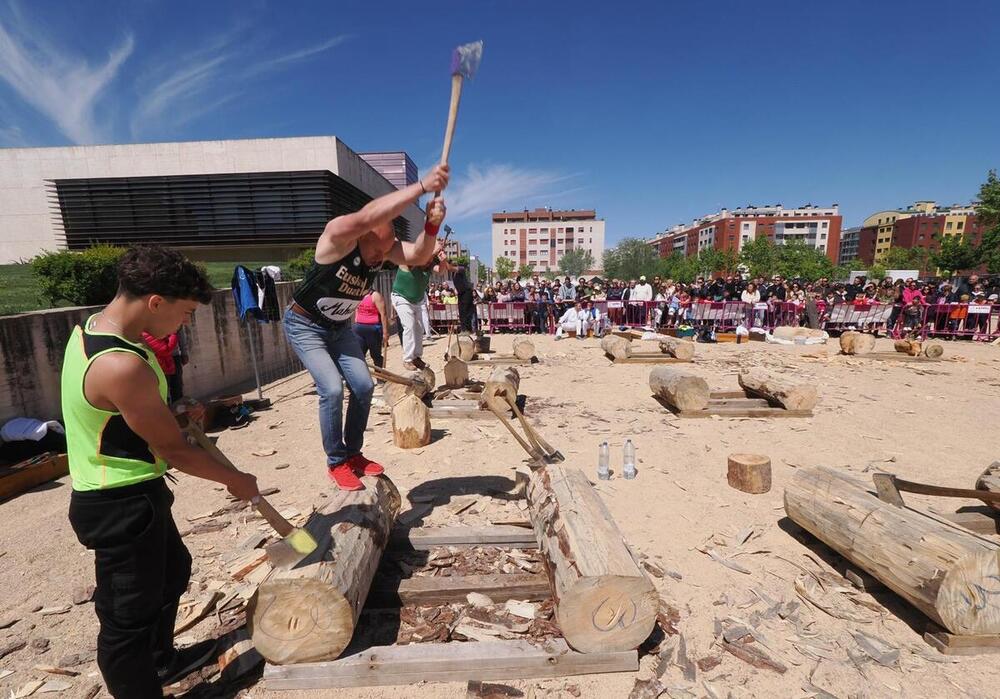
(298, 266)
(85, 278)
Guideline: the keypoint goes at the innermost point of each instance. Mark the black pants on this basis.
(371, 341)
(466, 312)
(175, 384)
(142, 569)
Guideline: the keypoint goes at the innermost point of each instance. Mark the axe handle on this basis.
(986, 496)
(449, 132)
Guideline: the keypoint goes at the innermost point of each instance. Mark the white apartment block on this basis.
(540, 238)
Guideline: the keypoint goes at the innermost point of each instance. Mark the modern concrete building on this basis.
(849, 239)
(818, 227)
(394, 166)
(540, 238)
(921, 225)
(254, 198)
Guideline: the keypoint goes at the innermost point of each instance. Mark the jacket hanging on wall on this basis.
(246, 293)
(268, 295)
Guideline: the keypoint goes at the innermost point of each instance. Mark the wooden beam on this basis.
(952, 644)
(25, 475)
(448, 662)
(425, 538)
(430, 590)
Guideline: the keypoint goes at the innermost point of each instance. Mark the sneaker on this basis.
(186, 661)
(363, 466)
(409, 366)
(343, 475)
(419, 363)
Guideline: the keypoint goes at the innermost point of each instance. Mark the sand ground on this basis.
(933, 422)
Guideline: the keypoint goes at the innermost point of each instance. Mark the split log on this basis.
(502, 380)
(429, 377)
(681, 349)
(463, 348)
(394, 392)
(990, 480)
(523, 348)
(456, 373)
(778, 389)
(308, 613)
(683, 391)
(948, 573)
(789, 332)
(910, 347)
(750, 473)
(617, 347)
(852, 342)
(604, 601)
(411, 423)
(934, 350)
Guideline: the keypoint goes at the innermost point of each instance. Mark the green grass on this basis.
(19, 293)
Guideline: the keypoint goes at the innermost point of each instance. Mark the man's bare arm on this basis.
(419, 252)
(128, 384)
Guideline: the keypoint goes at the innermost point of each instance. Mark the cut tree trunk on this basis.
(394, 392)
(411, 423)
(945, 571)
(308, 613)
(429, 377)
(523, 348)
(778, 389)
(750, 473)
(910, 347)
(502, 380)
(990, 480)
(934, 350)
(681, 349)
(456, 373)
(683, 391)
(463, 348)
(617, 347)
(604, 601)
(852, 342)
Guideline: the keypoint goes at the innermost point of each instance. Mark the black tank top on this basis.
(332, 292)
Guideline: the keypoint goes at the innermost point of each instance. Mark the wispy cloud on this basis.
(12, 137)
(307, 52)
(484, 189)
(63, 87)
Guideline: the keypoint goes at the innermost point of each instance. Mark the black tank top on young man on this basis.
(332, 292)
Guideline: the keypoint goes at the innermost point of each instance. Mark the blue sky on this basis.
(651, 112)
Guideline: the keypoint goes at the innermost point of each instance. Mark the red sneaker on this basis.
(363, 466)
(343, 475)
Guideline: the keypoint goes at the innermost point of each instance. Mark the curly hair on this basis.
(153, 269)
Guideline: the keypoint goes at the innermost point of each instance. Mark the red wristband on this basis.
(431, 229)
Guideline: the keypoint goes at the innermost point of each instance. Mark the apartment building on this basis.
(922, 225)
(539, 238)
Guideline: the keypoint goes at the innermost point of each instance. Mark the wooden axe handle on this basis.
(986, 496)
(449, 132)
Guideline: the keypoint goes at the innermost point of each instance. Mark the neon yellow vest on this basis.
(103, 450)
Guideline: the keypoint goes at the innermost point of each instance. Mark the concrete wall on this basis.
(32, 347)
(28, 226)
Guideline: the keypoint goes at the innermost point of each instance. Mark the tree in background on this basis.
(84, 278)
(575, 262)
(678, 267)
(461, 261)
(988, 216)
(504, 267)
(908, 258)
(877, 271)
(525, 271)
(630, 259)
(956, 254)
(760, 257)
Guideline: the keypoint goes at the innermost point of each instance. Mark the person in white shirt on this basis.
(575, 319)
(642, 291)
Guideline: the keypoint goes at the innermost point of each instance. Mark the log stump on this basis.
(456, 373)
(616, 346)
(910, 347)
(934, 350)
(429, 378)
(411, 423)
(308, 613)
(945, 571)
(679, 349)
(463, 348)
(393, 392)
(503, 380)
(853, 342)
(604, 601)
(778, 389)
(990, 480)
(523, 348)
(750, 473)
(681, 390)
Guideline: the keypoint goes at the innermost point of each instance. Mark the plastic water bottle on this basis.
(603, 462)
(628, 460)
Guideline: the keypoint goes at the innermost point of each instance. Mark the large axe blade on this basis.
(464, 64)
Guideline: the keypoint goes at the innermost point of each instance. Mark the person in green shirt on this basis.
(121, 437)
(409, 294)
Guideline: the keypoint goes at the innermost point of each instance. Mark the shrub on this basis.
(83, 278)
(297, 266)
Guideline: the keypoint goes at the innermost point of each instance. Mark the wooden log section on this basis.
(411, 423)
(682, 390)
(463, 348)
(429, 377)
(503, 379)
(910, 347)
(750, 473)
(948, 573)
(604, 601)
(309, 613)
(852, 342)
(778, 389)
(456, 373)
(990, 480)
(934, 350)
(393, 392)
(523, 348)
(680, 349)
(616, 346)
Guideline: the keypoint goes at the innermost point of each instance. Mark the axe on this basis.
(464, 64)
(888, 488)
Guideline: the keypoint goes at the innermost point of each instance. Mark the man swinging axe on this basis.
(348, 255)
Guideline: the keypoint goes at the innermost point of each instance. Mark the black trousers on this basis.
(371, 341)
(175, 384)
(466, 312)
(142, 569)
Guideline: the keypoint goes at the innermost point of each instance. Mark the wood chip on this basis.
(190, 612)
(12, 646)
(877, 649)
(52, 686)
(56, 670)
(479, 600)
(525, 610)
(50, 611)
(733, 565)
(749, 653)
(5, 673)
(82, 595)
(8, 621)
(26, 690)
(265, 452)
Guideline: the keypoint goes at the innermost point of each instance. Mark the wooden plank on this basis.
(717, 395)
(447, 662)
(431, 590)
(898, 357)
(979, 521)
(952, 644)
(426, 538)
(502, 360)
(467, 409)
(24, 476)
(745, 412)
(651, 358)
(738, 403)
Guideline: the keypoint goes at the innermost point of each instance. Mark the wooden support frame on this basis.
(954, 644)
(648, 358)
(25, 475)
(426, 538)
(503, 360)
(444, 410)
(736, 404)
(430, 590)
(895, 357)
(448, 662)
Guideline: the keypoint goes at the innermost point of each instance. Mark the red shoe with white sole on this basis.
(343, 475)
(363, 466)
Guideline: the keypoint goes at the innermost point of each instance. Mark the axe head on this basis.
(465, 59)
(293, 548)
(885, 486)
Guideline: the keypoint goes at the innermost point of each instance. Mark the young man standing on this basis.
(348, 255)
(120, 439)
(409, 300)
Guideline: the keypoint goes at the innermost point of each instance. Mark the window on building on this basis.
(826, 224)
(580, 241)
(961, 224)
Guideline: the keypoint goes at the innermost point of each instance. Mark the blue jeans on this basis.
(332, 355)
